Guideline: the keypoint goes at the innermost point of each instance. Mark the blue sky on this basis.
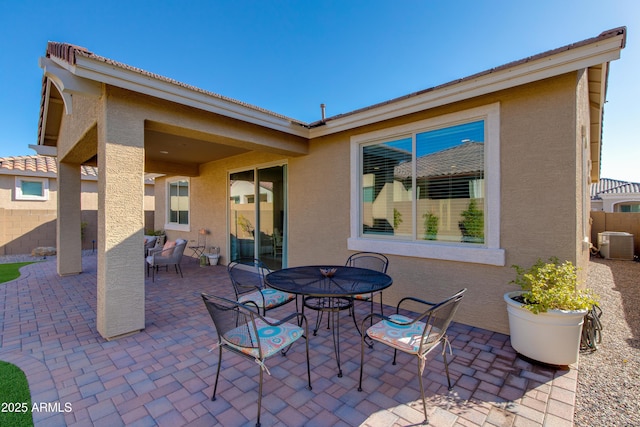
(291, 56)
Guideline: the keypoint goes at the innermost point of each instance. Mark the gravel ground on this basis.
(609, 378)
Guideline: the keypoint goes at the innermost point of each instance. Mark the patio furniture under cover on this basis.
(149, 243)
(243, 331)
(170, 254)
(417, 336)
(247, 277)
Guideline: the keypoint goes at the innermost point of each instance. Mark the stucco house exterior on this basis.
(29, 203)
(452, 183)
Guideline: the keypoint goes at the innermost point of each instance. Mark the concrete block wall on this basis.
(22, 230)
(25, 229)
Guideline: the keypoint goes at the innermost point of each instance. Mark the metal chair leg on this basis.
(259, 397)
(424, 401)
(446, 364)
(215, 387)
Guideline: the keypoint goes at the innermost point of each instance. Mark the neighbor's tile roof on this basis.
(461, 160)
(613, 186)
(37, 165)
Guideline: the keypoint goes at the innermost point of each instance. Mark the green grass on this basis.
(15, 397)
(11, 271)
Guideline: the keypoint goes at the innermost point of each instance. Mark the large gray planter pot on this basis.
(552, 337)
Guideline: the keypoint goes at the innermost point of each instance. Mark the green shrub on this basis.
(552, 285)
(430, 226)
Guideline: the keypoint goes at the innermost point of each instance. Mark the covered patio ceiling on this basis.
(167, 153)
(169, 149)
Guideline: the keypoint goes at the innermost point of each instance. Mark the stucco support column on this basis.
(121, 293)
(68, 225)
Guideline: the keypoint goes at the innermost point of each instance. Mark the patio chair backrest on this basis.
(234, 323)
(247, 275)
(370, 260)
(178, 251)
(438, 318)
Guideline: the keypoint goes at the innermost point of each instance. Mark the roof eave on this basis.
(597, 51)
(97, 70)
(83, 69)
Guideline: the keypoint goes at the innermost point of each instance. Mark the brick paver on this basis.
(164, 375)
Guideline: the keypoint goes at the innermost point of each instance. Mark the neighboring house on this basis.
(452, 182)
(611, 195)
(29, 198)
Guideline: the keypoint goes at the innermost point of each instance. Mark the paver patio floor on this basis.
(164, 375)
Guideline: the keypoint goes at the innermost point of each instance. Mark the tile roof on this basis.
(38, 165)
(613, 186)
(461, 160)
(69, 53)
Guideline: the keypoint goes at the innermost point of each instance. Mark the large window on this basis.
(178, 205)
(430, 188)
(32, 189)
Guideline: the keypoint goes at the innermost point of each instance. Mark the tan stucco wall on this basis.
(540, 205)
(77, 141)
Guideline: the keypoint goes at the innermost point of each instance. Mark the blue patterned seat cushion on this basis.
(272, 338)
(405, 338)
(272, 298)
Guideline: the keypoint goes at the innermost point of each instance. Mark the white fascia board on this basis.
(548, 66)
(62, 76)
(33, 174)
(45, 150)
(620, 196)
(135, 81)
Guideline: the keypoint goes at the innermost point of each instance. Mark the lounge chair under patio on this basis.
(170, 254)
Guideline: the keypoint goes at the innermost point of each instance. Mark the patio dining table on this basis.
(329, 288)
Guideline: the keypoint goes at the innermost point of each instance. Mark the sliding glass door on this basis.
(257, 215)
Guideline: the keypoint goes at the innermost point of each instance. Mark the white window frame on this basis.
(45, 188)
(488, 253)
(173, 225)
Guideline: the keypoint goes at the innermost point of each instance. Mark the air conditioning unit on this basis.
(616, 245)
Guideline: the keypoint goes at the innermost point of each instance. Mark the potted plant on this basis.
(546, 315)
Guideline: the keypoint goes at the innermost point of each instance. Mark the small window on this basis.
(628, 207)
(32, 189)
(178, 205)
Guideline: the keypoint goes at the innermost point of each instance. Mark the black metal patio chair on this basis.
(372, 261)
(417, 336)
(243, 331)
(247, 276)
